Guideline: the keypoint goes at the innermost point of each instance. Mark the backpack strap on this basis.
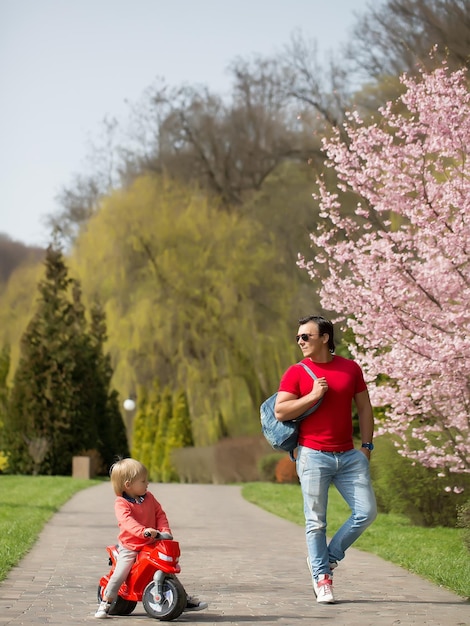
(317, 404)
(311, 409)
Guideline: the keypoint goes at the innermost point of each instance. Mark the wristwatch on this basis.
(369, 446)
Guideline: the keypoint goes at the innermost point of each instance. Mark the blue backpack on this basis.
(283, 435)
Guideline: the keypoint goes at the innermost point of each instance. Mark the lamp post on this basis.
(129, 406)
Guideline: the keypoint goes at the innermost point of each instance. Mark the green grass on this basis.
(437, 554)
(26, 504)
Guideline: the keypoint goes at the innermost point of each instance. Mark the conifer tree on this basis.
(4, 369)
(138, 431)
(145, 426)
(159, 444)
(180, 435)
(222, 430)
(152, 425)
(60, 404)
(112, 437)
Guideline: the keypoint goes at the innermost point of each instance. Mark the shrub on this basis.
(267, 466)
(3, 462)
(405, 487)
(463, 521)
(285, 471)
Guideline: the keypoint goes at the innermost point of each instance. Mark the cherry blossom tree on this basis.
(397, 271)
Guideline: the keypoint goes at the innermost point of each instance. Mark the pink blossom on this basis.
(397, 266)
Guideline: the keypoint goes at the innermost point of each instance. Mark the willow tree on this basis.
(191, 299)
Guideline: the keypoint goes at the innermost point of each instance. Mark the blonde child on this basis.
(140, 517)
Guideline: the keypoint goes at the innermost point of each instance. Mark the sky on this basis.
(66, 65)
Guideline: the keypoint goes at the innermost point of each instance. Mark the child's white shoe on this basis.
(103, 610)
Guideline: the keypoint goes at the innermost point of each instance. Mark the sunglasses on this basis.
(304, 337)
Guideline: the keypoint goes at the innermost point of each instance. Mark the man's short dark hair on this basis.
(325, 327)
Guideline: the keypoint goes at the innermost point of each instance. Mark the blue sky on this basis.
(67, 64)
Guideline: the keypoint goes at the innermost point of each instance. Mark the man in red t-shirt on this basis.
(326, 453)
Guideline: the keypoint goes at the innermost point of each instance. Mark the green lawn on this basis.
(26, 503)
(437, 554)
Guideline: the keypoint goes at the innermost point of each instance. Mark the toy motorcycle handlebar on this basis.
(159, 535)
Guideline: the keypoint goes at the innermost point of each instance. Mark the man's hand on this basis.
(320, 387)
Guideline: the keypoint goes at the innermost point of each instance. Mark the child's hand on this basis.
(158, 534)
(151, 532)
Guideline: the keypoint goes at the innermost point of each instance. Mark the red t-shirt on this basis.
(329, 428)
(134, 518)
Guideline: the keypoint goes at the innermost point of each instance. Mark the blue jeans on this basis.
(349, 472)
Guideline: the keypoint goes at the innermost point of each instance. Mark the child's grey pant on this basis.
(124, 563)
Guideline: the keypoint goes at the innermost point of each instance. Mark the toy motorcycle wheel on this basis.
(120, 606)
(173, 603)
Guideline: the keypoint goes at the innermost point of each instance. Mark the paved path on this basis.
(247, 564)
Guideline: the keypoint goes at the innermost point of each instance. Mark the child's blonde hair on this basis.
(125, 470)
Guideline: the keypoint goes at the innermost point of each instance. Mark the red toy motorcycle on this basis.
(151, 580)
